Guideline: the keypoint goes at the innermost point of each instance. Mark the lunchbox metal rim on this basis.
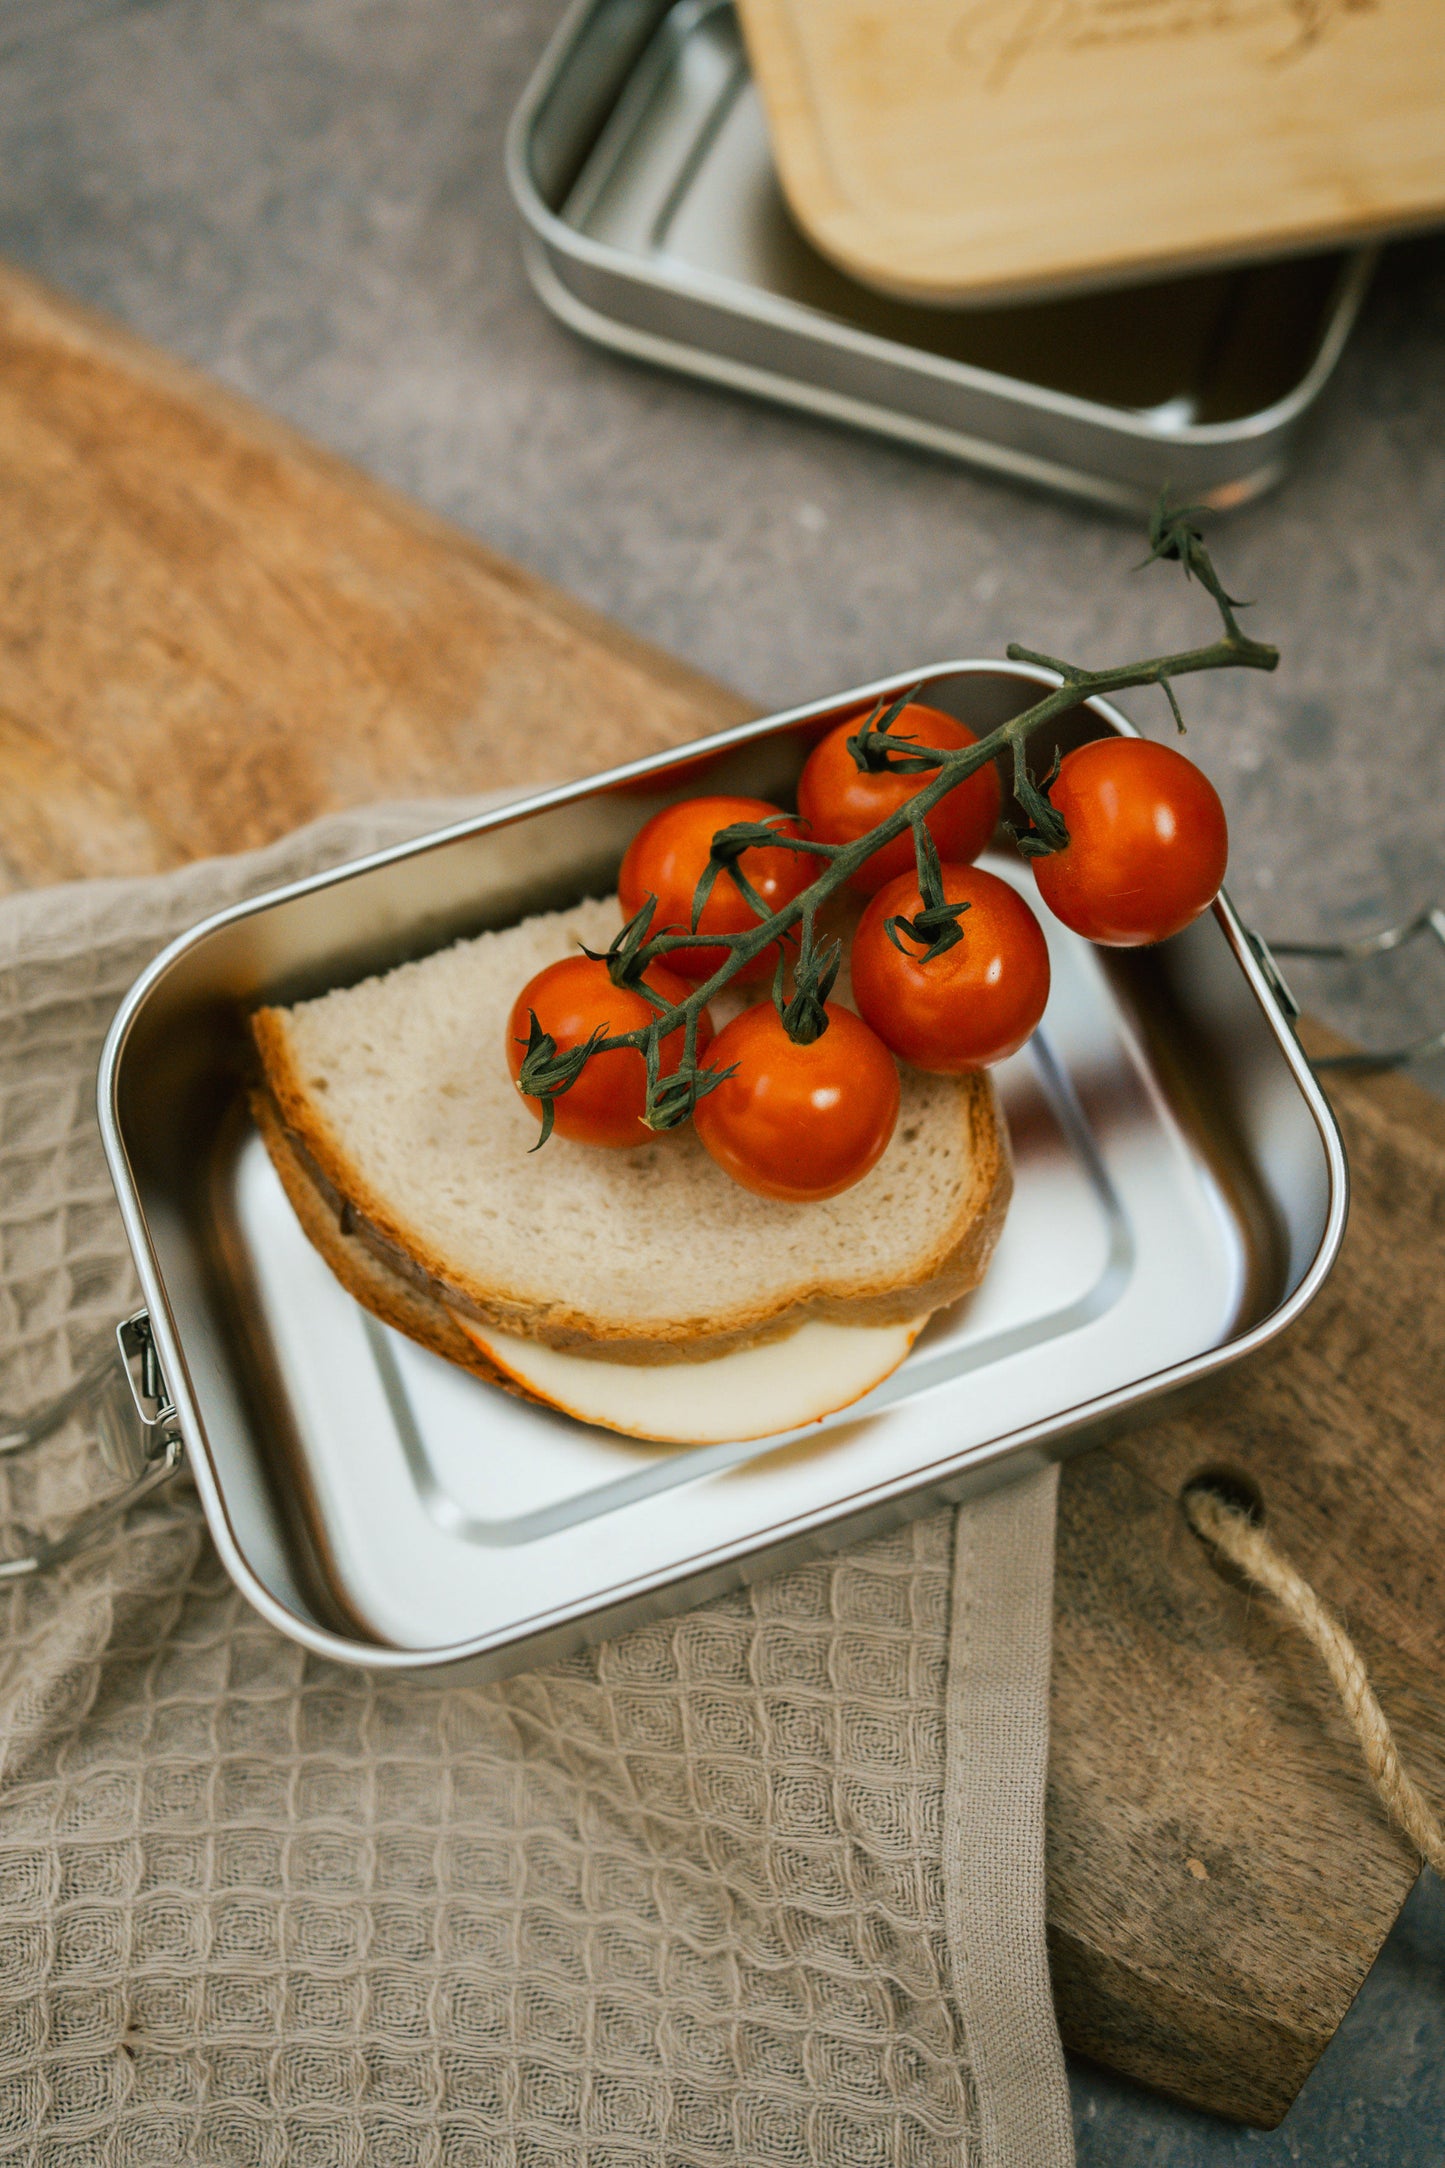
(1121, 421)
(1027, 1445)
(551, 233)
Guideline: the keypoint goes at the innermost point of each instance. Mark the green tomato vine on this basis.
(546, 1073)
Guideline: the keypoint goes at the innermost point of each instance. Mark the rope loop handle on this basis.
(1228, 1527)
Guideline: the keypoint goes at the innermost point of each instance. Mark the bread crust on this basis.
(396, 1301)
(288, 1113)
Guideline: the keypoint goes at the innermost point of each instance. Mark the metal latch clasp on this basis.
(138, 1430)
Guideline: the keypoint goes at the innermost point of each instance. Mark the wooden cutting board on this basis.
(1219, 1873)
(210, 631)
(972, 150)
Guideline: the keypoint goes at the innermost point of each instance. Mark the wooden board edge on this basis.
(1186, 2040)
(42, 314)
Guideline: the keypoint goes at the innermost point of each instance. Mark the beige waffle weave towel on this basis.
(762, 1885)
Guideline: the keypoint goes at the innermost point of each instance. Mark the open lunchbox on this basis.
(646, 175)
(1180, 1196)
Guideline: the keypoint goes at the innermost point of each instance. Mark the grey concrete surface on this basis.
(306, 197)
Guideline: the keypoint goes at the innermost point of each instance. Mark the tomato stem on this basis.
(1173, 535)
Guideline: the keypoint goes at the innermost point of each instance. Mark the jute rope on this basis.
(1221, 1522)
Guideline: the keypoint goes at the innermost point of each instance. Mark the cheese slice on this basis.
(755, 1392)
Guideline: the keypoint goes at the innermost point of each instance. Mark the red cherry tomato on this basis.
(841, 802)
(570, 999)
(799, 1122)
(974, 1004)
(667, 858)
(1147, 847)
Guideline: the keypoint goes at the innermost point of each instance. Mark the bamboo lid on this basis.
(972, 150)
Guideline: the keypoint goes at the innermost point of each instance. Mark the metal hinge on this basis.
(138, 1431)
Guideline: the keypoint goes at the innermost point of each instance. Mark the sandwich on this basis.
(642, 1290)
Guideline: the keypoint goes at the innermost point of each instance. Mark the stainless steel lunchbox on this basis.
(1180, 1197)
(654, 224)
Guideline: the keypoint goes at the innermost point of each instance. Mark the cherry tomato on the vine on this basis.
(972, 1005)
(668, 856)
(841, 802)
(799, 1122)
(1147, 842)
(570, 999)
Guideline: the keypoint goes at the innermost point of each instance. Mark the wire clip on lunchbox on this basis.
(138, 1431)
(1361, 950)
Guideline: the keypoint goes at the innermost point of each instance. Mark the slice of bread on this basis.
(406, 1150)
(775, 1384)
